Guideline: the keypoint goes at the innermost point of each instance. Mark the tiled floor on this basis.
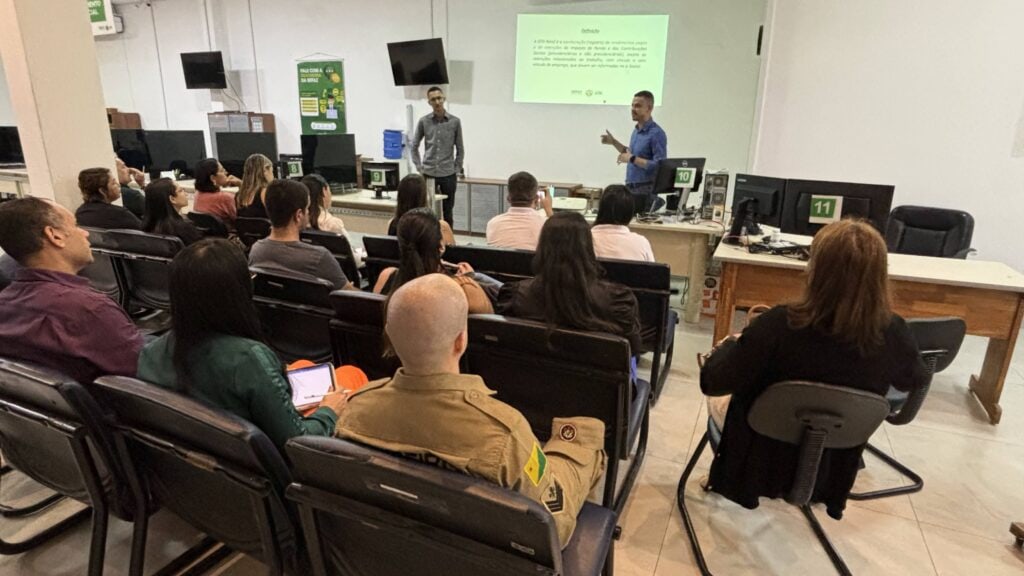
(974, 488)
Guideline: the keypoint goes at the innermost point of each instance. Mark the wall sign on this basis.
(102, 17)
(322, 97)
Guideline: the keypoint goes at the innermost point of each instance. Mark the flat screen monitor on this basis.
(679, 177)
(850, 200)
(332, 156)
(766, 197)
(203, 70)
(233, 148)
(175, 150)
(130, 147)
(418, 62)
(10, 146)
(380, 176)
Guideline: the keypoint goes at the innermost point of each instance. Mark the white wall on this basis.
(6, 109)
(923, 94)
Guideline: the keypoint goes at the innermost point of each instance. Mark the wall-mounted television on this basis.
(203, 70)
(418, 62)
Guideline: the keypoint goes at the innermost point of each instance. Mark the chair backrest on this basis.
(394, 514)
(339, 247)
(938, 339)
(295, 310)
(103, 273)
(357, 333)
(499, 263)
(381, 252)
(214, 470)
(815, 416)
(555, 373)
(145, 260)
(250, 230)
(52, 430)
(651, 283)
(209, 224)
(925, 231)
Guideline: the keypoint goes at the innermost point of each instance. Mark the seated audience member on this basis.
(420, 249)
(164, 198)
(320, 217)
(841, 332)
(430, 412)
(130, 197)
(288, 208)
(568, 289)
(612, 237)
(49, 315)
(99, 188)
(257, 173)
(215, 350)
(519, 227)
(412, 194)
(210, 199)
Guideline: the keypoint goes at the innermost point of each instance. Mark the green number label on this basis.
(823, 208)
(684, 177)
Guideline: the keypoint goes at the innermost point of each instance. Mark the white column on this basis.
(54, 83)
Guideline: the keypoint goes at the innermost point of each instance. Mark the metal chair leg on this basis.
(12, 512)
(12, 548)
(916, 486)
(634, 468)
(833, 554)
(698, 554)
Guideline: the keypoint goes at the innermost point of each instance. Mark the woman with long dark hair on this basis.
(843, 332)
(420, 249)
(320, 217)
(215, 350)
(412, 194)
(568, 289)
(164, 198)
(210, 199)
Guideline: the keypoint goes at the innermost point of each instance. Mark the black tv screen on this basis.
(130, 147)
(234, 148)
(203, 70)
(10, 146)
(418, 62)
(175, 150)
(332, 156)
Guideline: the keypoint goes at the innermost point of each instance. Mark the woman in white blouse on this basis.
(612, 237)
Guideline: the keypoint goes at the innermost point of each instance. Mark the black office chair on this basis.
(53, 431)
(102, 273)
(357, 333)
(144, 262)
(209, 224)
(939, 341)
(295, 310)
(381, 252)
(212, 469)
(339, 247)
(552, 373)
(363, 508)
(812, 416)
(925, 231)
(250, 230)
(498, 263)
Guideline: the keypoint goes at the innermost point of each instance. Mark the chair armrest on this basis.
(911, 406)
(964, 253)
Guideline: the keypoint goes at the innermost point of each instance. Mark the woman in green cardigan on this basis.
(215, 351)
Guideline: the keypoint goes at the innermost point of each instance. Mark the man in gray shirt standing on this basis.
(442, 133)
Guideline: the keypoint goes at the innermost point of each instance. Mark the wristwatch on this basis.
(632, 157)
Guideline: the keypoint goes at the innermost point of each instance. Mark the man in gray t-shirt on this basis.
(287, 204)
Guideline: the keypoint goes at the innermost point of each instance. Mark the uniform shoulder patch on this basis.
(554, 499)
(536, 465)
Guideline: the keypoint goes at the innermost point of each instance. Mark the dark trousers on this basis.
(644, 198)
(446, 185)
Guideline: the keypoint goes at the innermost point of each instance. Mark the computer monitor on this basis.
(679, 177)
(380, 176)
(846, 199)
(10, 146)
(130, 147)
(177, 150)
(332, 156)
(766, 197)
(233, 148)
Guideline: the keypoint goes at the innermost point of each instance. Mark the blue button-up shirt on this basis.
(648, 142)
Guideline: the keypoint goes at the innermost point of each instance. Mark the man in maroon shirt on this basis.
(49, 315)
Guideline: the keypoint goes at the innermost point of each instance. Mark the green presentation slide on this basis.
(589, 59)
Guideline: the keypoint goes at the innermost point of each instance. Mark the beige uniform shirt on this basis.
(451, 420)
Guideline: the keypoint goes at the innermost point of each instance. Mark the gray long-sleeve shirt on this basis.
(441, 135)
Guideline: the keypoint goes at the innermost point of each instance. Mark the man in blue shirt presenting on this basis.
(647, 147)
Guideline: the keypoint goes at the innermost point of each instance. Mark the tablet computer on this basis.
(311, 384)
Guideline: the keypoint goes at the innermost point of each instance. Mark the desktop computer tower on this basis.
(716, 187)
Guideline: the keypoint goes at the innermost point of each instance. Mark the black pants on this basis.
(446, 185)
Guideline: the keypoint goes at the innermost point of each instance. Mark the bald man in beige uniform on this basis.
(430, 412)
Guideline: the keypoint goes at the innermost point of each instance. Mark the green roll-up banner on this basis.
(102, 17)
(322, 97)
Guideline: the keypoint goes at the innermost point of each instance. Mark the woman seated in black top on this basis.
(568, 289)
(99, 188)
(412, 194)
(256, 176)
(841, 332)
(164, 198)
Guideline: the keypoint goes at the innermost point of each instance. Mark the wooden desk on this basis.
(363, 212)
(989, 296)
(14, 181)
